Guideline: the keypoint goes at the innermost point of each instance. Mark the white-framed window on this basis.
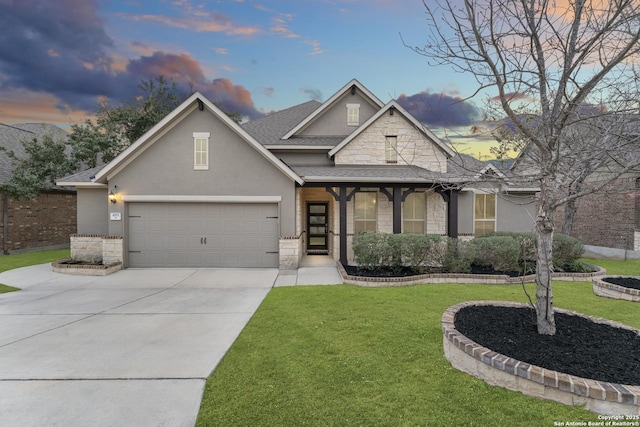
(365, 212)
(391, 149)
(353, 114)
(413, 213)
(201, 150)
(484, 218)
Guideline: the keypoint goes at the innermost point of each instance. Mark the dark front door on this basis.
(317, 227)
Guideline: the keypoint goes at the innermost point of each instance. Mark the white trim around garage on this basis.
(200, 199)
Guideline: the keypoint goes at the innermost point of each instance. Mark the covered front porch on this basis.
(329, 214)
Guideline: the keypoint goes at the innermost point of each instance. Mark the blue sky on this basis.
(59, 58)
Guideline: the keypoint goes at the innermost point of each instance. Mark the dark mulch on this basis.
(353, 270)
(580, 347)
(627, 282)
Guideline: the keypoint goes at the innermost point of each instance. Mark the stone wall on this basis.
(96, 248)
(48, 220)
(290, 252)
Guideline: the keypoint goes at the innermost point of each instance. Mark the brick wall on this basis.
(605, 218)
(47, 220)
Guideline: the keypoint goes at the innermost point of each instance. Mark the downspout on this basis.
(5, 223)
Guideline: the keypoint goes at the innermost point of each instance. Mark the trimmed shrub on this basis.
(370, 249)
(502, 253)
(566, 251)
(459, 255)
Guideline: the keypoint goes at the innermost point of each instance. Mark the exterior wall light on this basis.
(112, 196)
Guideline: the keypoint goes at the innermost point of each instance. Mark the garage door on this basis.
(203, 234)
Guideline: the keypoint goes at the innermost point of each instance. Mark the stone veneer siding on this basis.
(97, 248)
(497, 369)
(414, 148)
(291, 252)
(47, 220)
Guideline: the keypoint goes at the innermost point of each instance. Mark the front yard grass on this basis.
(9, 262)
(345, 355)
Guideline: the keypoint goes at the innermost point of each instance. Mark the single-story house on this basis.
(199, 190)
(49, 219)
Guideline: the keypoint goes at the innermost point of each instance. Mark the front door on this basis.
(317, 227)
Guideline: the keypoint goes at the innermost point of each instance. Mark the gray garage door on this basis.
(203, 235)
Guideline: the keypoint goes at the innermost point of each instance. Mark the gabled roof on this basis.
(329, 102)
(153, 134)
(396, 108)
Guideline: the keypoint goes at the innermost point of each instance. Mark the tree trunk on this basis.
(569, 213)
(544, 268)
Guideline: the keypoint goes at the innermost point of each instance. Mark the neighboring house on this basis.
(43, 222)
(198, 190)
(610, 217)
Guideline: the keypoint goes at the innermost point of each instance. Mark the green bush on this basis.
(566, 251)
(417, 251)
(370, 249)
(459, 255)
(502, 253)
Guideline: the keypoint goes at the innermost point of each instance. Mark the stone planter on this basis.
(85, 269)
(499, 370)
(609, 290)
(488, 279)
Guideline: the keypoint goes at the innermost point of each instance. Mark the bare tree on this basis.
(549, 60)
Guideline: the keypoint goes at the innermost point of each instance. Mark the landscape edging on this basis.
(500, 370)
(490, 279)
(611, 290)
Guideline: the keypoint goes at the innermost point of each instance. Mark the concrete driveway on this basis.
(130, 349)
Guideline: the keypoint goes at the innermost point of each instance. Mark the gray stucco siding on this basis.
(333, 121)
(515, 212)
(235, 169)
(93, 211)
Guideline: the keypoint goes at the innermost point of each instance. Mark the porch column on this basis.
(452, 214)
(397, 209)
(343, 224)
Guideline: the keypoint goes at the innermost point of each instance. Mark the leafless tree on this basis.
(549, 60)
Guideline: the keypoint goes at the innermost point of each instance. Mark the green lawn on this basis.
(9, 262)
(351, 356)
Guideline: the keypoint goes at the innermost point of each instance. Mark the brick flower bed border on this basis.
(459, 278)
(85, 270)
(499, 370)
(609, 290)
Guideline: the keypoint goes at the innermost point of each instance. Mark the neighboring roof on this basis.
(270, 129)
(395, 107)
(12, 136)
(83, 177)
(346, 88)
(146, 140)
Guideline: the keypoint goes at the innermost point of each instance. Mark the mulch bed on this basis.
(580, 347)
(353, 270)
(627, 282)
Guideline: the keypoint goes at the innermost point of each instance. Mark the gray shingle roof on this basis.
(11, 137)
(268, 130)
(82, 176)
(383, 173)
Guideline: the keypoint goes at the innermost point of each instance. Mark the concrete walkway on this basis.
(130, 349)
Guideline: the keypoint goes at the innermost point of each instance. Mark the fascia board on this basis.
(329, 102)
(80, 184)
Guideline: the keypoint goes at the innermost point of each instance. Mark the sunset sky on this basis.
(59, 58)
